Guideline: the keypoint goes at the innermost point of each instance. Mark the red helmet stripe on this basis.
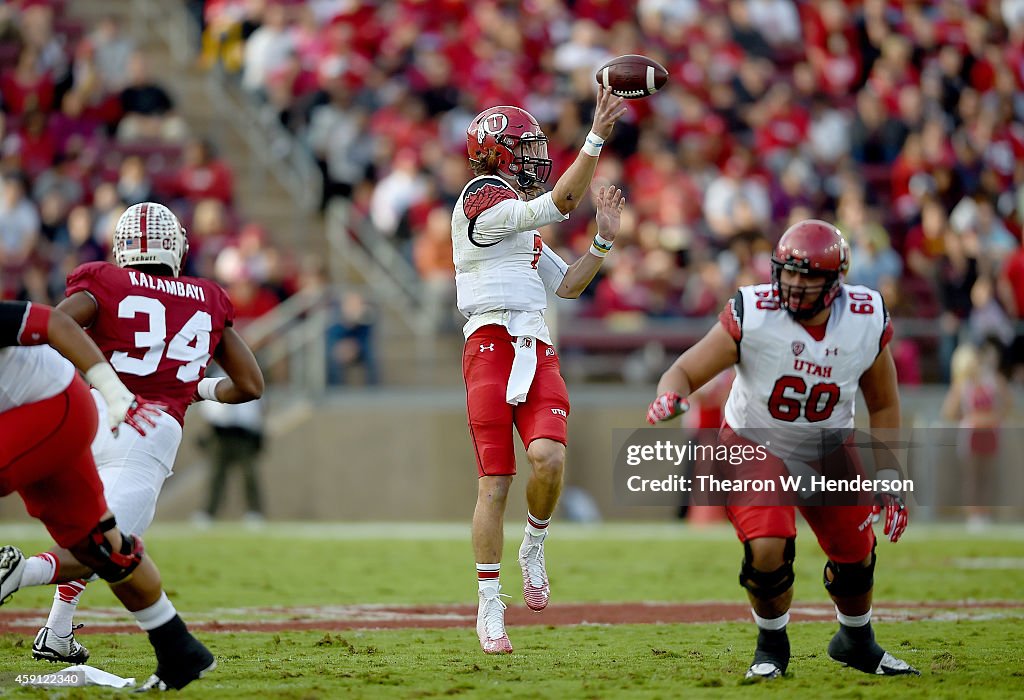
(143, 223)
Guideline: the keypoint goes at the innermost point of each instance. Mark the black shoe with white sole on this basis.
(771, 658)
(180, 657)
(856, 647)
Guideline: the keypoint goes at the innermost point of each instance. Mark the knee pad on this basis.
(766, 585)
(111, 566)
(849, 580)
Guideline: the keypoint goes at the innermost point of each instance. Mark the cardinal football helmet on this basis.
(815, 248)
(517, 138)
(150, 234)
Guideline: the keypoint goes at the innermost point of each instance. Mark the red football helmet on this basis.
(817, 249)
(517, 138)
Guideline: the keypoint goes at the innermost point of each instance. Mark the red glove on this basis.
(142, 413)
(667, 406)
(896, 516)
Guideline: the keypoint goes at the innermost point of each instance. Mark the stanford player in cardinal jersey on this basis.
(159, 331)
(802, 346)
(503, 272)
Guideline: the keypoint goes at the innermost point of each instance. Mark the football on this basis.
(632, 76)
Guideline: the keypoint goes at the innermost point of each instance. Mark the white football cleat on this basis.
(490, 622)
(12, 566)
(49, 647)
(536, 590)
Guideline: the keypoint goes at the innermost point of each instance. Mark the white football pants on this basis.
(133, 467)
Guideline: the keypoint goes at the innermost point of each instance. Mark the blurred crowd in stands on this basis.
(898, 119)
(84, 133)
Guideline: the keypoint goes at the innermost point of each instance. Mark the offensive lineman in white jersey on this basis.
(802, 346)
(503, 272)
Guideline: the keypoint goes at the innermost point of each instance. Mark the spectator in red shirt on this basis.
(203, 175)
(71, 123)
(1011, 284)
(606, 13)
(837, 66)
(925, 243)
(25, 87)
(37, 145)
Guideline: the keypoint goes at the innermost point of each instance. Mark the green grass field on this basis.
(217, 573)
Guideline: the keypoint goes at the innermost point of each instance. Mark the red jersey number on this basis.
(862, 308)
(767, 300)
(538, 247)
(790, 398)
(190, 344)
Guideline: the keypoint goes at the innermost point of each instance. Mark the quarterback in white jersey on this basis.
(802, 346)
(503, 273)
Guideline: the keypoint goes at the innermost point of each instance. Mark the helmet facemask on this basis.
(530, 164)
(806, 301)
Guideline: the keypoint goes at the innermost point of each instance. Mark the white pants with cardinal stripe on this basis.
(133, 467)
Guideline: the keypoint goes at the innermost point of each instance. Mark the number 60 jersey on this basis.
(159, 333)
(790, 384)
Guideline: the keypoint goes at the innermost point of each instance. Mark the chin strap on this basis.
(526, 182)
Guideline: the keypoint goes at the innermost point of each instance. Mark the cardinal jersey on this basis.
(502, 267)
(159, 333)
(790, 383)
(27, 374)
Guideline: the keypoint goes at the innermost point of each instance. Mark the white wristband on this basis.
(207, 388)
(594, 250)
(603, 242)
(593, 144)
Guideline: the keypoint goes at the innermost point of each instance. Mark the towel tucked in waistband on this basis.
(524, 366)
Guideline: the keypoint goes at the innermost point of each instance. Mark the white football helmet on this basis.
(150, 234)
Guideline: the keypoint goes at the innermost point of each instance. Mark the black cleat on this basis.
(865, 655)
(180, 658)
(771, 658)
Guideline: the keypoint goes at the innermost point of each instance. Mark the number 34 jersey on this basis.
(790, 385)
(159, 333)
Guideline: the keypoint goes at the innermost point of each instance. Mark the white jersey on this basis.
(503, 269)
(32, 373)
(28, 372)
(789, 387)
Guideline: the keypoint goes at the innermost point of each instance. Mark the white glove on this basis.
(122, 405)
(114, 392)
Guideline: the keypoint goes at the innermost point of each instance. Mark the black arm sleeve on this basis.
(12, 321)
